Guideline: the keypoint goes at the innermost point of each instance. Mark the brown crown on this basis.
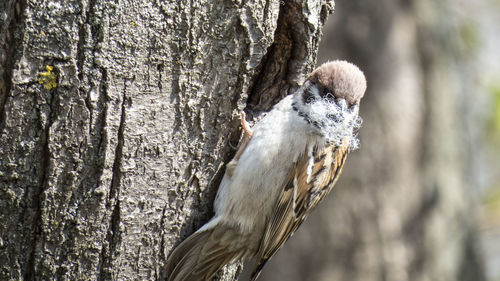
(342, 78)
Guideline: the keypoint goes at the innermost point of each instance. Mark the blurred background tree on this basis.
(405, 207)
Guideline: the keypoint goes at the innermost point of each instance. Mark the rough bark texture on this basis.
(402, 207)
(101, 176)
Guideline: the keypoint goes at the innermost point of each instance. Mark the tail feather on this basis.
(199, 257)
(180, 254)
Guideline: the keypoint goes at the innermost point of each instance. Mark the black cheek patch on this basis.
(307, 96)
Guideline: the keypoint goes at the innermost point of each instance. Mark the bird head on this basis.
(329, 100)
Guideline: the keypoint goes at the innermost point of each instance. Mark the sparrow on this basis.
(285, 165)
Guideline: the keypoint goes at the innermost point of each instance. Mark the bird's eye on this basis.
(325, 91)
(308, 96)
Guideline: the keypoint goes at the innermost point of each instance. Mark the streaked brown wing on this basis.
(301, 193)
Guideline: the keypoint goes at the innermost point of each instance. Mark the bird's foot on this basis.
(247, 135)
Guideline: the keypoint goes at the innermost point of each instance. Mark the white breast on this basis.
(247, 196)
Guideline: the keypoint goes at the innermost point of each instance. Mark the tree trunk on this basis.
(116, 119)
(402, 209)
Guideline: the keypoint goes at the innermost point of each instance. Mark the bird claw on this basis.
(247, 135)
(247, 131)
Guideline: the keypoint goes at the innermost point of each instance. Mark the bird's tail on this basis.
(202, 254)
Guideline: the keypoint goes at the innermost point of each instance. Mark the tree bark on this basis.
(116, 119)
(402, 209)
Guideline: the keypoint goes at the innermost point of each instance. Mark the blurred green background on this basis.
(420, 200)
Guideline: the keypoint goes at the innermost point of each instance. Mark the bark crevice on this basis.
(262, 95)
(10, 41)
(113, 235)
(287, 59)
(43, 183)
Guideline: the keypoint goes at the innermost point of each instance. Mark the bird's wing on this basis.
(310, 180)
